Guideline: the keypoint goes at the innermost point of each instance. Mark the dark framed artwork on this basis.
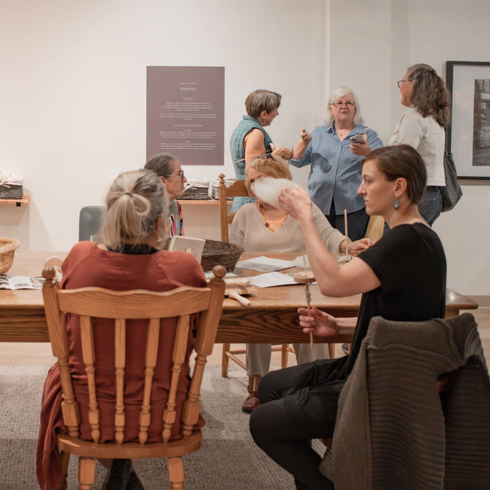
(468, 136)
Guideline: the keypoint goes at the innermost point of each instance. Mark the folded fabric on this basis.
(9, 178)
(394, 430)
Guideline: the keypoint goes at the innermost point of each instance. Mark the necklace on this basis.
(276, 224)
(342, 133)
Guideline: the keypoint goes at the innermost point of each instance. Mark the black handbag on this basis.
(451, 193)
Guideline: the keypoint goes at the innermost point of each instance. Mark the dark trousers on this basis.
(285, 423)
(356, 222)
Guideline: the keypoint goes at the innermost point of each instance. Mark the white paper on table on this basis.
(210, 275)
(272, 279)
(265, 264)
(300, 262)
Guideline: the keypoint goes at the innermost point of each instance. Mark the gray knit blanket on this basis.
(394, 430)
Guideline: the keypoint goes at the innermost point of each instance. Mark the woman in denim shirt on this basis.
(335, 161)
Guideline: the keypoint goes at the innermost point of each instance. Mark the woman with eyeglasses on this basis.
(335, 172)
(250, 140)
(168, 169)
(422, 126)
(261, 227)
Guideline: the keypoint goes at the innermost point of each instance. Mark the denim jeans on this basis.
(430, 205)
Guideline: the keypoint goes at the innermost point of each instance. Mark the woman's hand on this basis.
(358, 246)
(296, 202)
(306, 137)
(362, 149)
(320, 323)
(300, 149)
(282, 152)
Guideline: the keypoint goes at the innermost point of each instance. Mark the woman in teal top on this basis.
(250, 140)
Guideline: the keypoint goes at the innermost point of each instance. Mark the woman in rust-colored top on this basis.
(130, 259)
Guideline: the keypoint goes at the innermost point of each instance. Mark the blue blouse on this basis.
(238, 152)
(336, 172)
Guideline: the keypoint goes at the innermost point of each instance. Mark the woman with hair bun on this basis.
(422, 127)
(131, 258)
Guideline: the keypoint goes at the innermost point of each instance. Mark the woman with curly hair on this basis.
(422, 127)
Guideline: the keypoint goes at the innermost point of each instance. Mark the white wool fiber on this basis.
(267, 189)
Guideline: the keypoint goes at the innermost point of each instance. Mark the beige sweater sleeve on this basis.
(331, 237)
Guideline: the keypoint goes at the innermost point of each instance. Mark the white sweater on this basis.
(427, 137)
(248, 231)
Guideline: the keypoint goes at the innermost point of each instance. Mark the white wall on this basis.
(73, 89)
(388, 37)
(73, 92)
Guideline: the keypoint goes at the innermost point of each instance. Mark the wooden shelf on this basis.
(17, 202)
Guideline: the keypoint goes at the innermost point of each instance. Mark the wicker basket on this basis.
(8, 246)
(220, 253)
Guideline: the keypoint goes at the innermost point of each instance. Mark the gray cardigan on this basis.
(391, 430)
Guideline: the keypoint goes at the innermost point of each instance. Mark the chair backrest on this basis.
(120, 306)
(375, 228)
(237, 189)
(90, 222)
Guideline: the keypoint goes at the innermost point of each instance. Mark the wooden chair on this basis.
(375, 228)
(237, 189)
(121, 306)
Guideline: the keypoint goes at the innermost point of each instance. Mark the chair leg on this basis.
(284, 356)
(65, 460)
(86, 473)
(176, 473)
(331, 351)
(225, 361)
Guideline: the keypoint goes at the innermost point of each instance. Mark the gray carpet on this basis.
(228, 459)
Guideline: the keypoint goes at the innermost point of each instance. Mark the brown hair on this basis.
(429, 93)
(262, 100)
(405, 162)
(161, 164)
(135, 201)
(272, 166)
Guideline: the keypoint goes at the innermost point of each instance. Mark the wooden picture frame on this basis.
(468, 136)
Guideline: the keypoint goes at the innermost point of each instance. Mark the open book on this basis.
(21, 282)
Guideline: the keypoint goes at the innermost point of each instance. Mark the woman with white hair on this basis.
(335, 161)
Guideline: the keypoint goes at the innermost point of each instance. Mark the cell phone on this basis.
(359, 138)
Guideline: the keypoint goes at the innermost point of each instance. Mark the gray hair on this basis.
(161, 164)
(135, 201)
(262, 100)
(341, 92)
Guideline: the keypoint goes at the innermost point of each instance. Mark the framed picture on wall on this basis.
(468, 136)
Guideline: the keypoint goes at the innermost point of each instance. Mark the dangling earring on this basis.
(396, 204)
(263, 122)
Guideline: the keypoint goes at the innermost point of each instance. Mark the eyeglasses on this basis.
(179, 175)
(399, 83)
(339, 104)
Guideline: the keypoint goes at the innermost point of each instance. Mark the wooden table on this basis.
(272, 318)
